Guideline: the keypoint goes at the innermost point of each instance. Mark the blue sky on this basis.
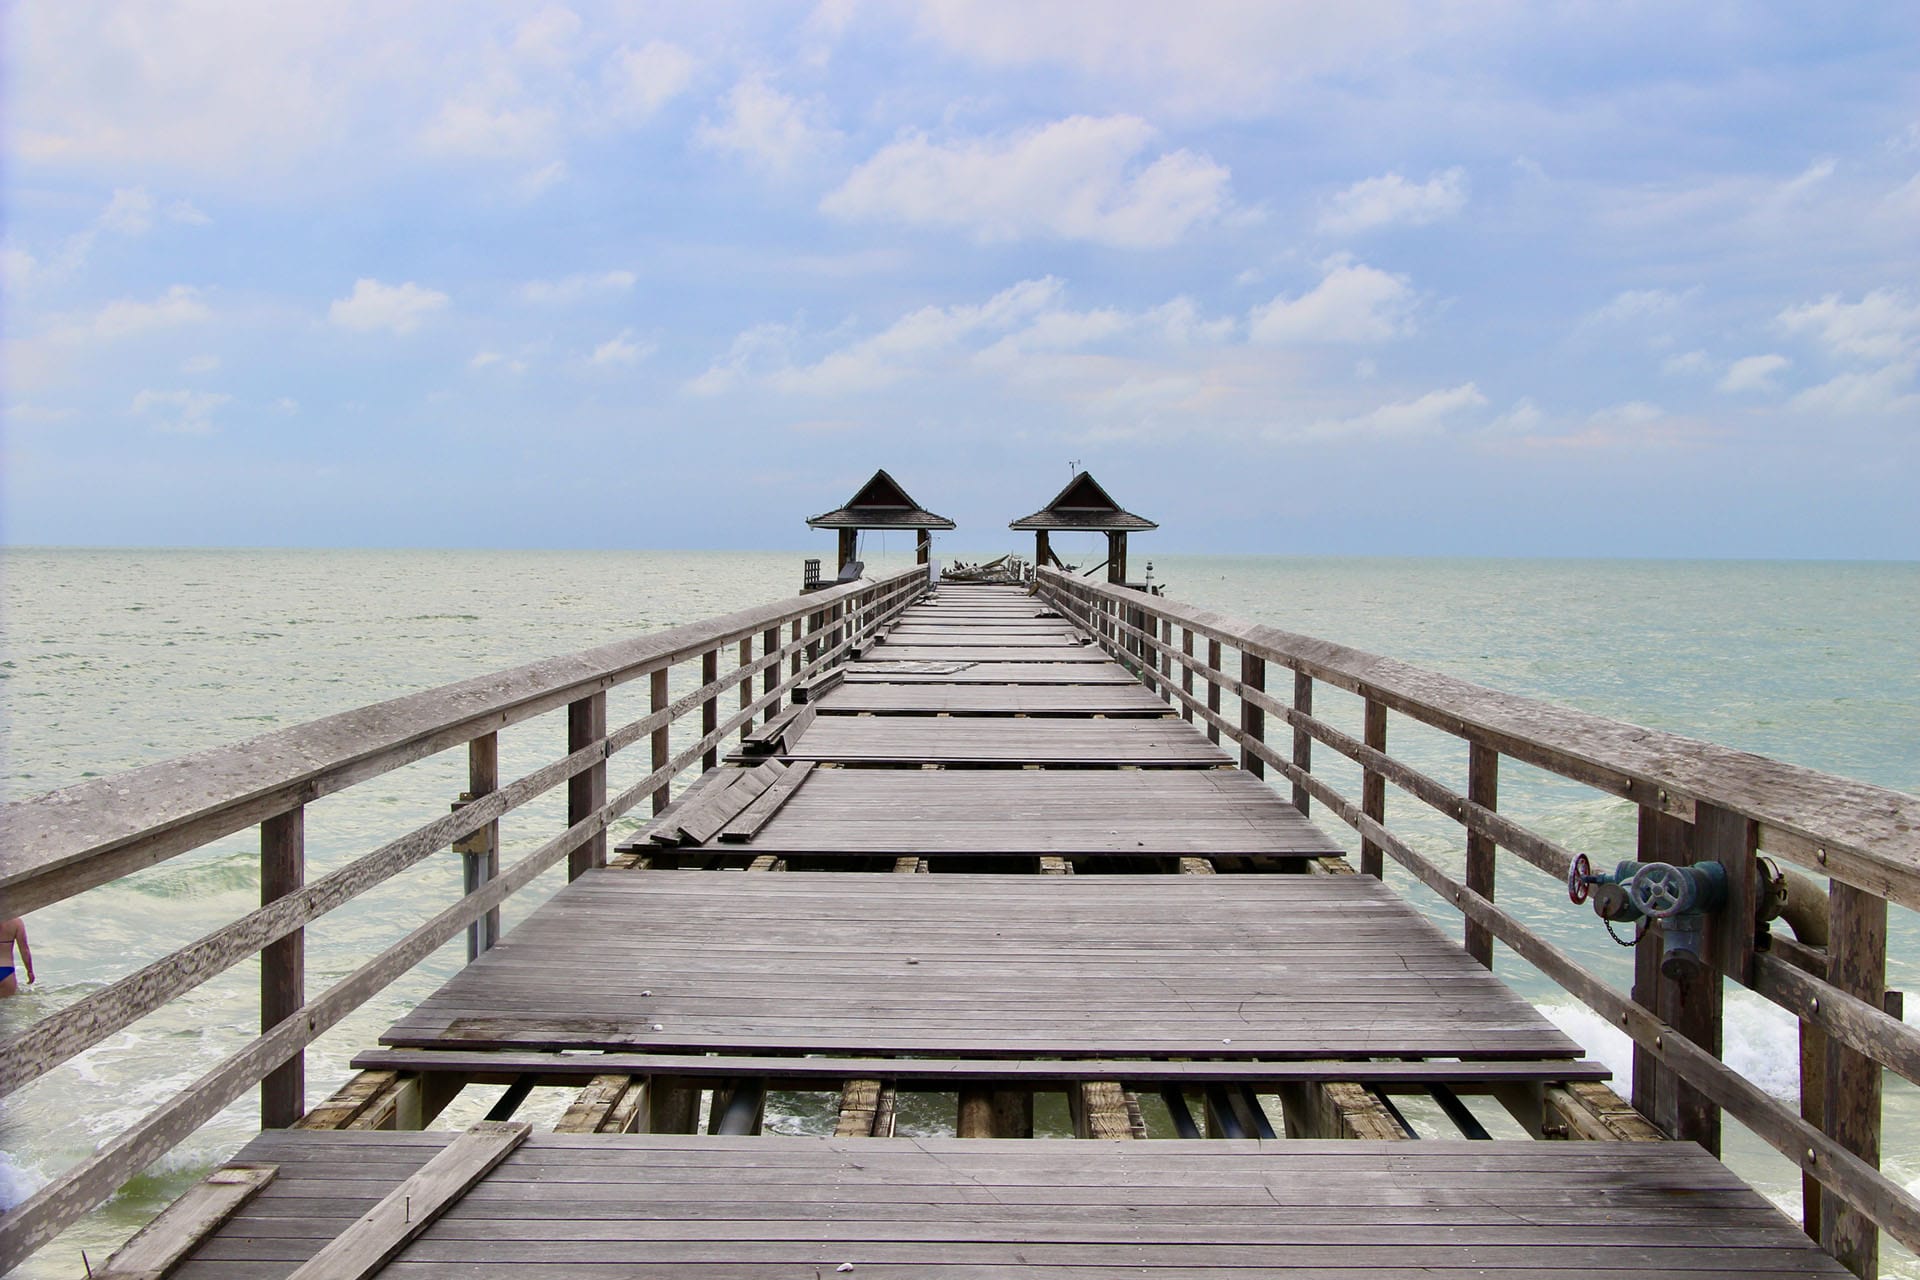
(1368, 278)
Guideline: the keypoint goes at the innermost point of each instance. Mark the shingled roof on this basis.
(880, 504)
(1083, 504)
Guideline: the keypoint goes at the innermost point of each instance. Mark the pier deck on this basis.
(645, 1205)
(982, 727)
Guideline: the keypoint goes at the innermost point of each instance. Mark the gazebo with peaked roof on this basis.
(1084, 506)
(880, 504)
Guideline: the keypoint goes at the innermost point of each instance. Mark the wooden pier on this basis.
(987, 844)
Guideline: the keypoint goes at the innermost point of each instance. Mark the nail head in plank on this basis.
(387, 1228)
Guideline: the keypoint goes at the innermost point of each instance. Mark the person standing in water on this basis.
(14, 932)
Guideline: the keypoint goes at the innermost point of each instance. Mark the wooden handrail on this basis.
(55, 845)
(1695, 800)
(1864, 835)
(62, 843)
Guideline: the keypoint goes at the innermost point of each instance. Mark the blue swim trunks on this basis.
(6, 971)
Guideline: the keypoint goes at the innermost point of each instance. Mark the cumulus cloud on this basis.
(1886, 390)
(1687, 363)
(1232, 57)
(1391, 200)
(180, 412)
(1025, 332)
(1423, 415)
(1883, 325)
(621, 350)
(1082, 178)
(179, 305)
(896, 350)
(1352, 303)
(772, 132)
(1637, 304)
(397, 308)
(1754, 373)
(577, 288)
(641, 81)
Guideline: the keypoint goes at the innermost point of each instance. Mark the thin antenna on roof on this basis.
(1073, 465)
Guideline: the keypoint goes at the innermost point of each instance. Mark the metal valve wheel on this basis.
(1578, 877)
(1661, 890)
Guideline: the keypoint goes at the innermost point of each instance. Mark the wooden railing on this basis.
(1696, 802)
(61, 844)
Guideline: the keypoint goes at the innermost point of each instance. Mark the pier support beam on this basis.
(609, 1104)
(866, 1110)
(1100, 1111)
(994, 1113)
(1338, 1109)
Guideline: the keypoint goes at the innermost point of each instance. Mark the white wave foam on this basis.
(1759, 1040)
(17, 1182)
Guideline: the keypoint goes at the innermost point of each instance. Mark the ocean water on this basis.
(113, 659)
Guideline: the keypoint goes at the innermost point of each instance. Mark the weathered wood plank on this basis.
(410, 1208)
(953, 1208)
(159, 1246)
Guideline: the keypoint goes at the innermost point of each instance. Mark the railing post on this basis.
(1373, 790)
(480, 852)
(1253, 720)
(1692, 1008)
(746, 684)
(657, 688)
(587, 790)
(798, 653)
(1213, 689)
(1483, 788)
(283, 965)
(1166, 658)
(770, 678)
(1186, 674)
(1856, 964)
(1302, 740)
(710, 708)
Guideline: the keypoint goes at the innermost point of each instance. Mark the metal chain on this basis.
(1639, 932)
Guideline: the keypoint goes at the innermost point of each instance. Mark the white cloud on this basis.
(488, 121)
(641, 81)
(772, 132)
(1883, 325)
(1082, 178)
(753, 353)
(1523, 419)
(535, 182)
(1687, 363)
(1422, 416)
(490, 359)
(577, 288)
(129, 212)
(1391, 200)
(895, 351)
(1638, 304)
(621, 350)
(1886, 390)
(200, 364)
(397, 308)
(1754, 373)
(1352, 303)
(177, 306)
(180, 412)
(1230, 57)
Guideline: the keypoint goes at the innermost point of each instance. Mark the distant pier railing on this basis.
(1696, 802)
(56, 846)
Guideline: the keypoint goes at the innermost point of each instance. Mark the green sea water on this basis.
(114, 659)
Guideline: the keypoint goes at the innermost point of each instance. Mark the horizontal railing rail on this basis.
(59, 845)
(1696, 802)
